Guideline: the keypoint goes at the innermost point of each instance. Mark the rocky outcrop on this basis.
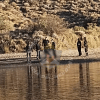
(75, 12)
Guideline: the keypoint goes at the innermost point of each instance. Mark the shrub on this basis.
(6, 49)
(33, 2)
(8, 7)
(2, 23)
(78, 28)
(51, 24)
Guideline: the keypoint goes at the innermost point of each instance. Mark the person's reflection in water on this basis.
(29, 72)
(34, 82)
(85, 87)
(55, 81)
(39, 81)
(3, 80)
(81, 75)
(88, 79)
(50, 71)
(51, 81)
(39, 71)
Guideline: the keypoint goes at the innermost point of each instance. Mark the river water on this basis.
(63, 82)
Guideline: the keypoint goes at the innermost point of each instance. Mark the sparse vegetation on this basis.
(51, 24)
(78, 28)
(54, 18)
(2, 23)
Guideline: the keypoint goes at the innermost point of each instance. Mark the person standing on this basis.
(53, 48)
(45, 43)
(38, 50)
(29, 50)
(79, 47)
(86, 46)
(46, 47)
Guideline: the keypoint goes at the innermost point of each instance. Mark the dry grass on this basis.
(78, 28)
(51, 24)
(2, 23)
(6, 49)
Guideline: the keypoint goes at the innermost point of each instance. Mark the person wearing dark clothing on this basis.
(79, 47)
(53, 49)
(38, 50)
(45, 42)
(46, 47)
(27, 46)
(53, 45)
(86, 46)
(28, 50)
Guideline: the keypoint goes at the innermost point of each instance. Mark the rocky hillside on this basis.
(63, 20)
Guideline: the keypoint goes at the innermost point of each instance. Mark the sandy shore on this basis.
(67, 55)
(92, 53)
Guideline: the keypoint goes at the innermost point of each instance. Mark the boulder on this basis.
(13, 4)
(26, 4)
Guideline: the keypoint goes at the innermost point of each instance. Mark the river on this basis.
(79, 81)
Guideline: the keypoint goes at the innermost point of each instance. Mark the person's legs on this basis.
(47, 57)
(79, 50)
(27, 56)
(37, 54)
(86, 51)
(46, 54)
(54, 53)
(30, 57)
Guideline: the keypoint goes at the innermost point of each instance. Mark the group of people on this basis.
(79, 45)
(46, 46)
(48, 49)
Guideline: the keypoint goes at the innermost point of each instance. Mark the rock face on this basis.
(75, 12)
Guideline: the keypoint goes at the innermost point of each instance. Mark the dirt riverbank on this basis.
(67, 54)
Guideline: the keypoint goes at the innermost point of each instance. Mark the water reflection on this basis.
(84, 81)
(29, 90)
(35, 82)
(51, 81)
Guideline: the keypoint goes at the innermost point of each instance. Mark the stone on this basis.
(2, 5)
(26, 4)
